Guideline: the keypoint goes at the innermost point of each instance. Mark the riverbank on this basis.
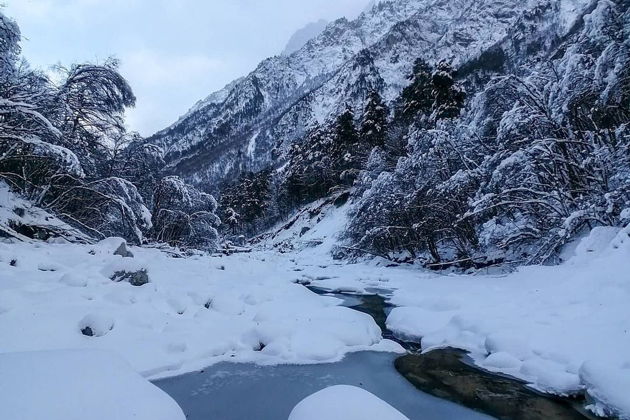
(561, 330)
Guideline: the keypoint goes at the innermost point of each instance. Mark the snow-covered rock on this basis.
(78, 385)
(344, 402)
(96, 325)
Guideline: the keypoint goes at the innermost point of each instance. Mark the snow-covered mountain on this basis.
(251, 122)
(303, 35)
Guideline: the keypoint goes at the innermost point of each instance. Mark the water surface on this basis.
(230, 391)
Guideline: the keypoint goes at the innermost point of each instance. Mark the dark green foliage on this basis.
(326, 159)
(432, 95)
(448, 98)
(374, 125)
(247, 201)
(309, 172)
(417, 98)
(529, 165)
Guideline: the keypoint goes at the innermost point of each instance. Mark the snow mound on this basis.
(195, 312)
(96, 325)
(17, 212)
(344, 402)
(608, 388)
(78, 385)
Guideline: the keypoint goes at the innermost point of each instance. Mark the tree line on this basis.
(476, 169)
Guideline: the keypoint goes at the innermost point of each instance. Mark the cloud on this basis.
(173, 52)
(165, 84)
(148, 67)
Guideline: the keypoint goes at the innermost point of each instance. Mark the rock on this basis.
(135, 278)
(444, 374)
(39, 233)
(123, 251)
(87, 331)
(96, 325)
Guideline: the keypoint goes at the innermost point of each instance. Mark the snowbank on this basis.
(563, 329)
(193, 312)
(608, 387)
(78, 385)
(344, 402)
(16, 211)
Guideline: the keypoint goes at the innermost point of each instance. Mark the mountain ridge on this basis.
(250, 124)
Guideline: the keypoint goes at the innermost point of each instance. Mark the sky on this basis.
(173, 52)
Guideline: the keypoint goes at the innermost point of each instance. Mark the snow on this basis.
(570, 11)
(194, 312)
(540, 324)
(608, 387)
(303, 35)
(344, 402)
(78, 385)
(11, 203)
(562, 329)
(251, 146)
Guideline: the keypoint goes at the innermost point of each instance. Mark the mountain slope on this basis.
(303, 35)
(250, 124)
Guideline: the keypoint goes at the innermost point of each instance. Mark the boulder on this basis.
(123, 251)
(135, 278)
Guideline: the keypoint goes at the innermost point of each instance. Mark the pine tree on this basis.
(374, 126)
(346, 147)
(248, 200)
(417, 98)
(448, 97)
(232, 219)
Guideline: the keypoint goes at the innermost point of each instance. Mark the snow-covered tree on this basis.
(247, 202)
(94, 99)
(374, 121)
(184, 216)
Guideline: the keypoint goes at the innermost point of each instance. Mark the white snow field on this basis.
(344, 402)
(194, 312)
(560, 328)
(563, 329)
(78, 385)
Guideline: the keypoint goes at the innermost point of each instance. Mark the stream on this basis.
(440, 385)
(232, 391)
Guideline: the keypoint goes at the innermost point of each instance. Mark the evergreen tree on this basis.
(232, 219)
(448, 97)
(374, 126)
(417, 98)
(247, 201)
(346, 151)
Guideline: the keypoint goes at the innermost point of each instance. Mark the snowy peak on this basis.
(303, 35)
(288, 94)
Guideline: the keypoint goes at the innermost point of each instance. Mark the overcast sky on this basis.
(173, 52)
